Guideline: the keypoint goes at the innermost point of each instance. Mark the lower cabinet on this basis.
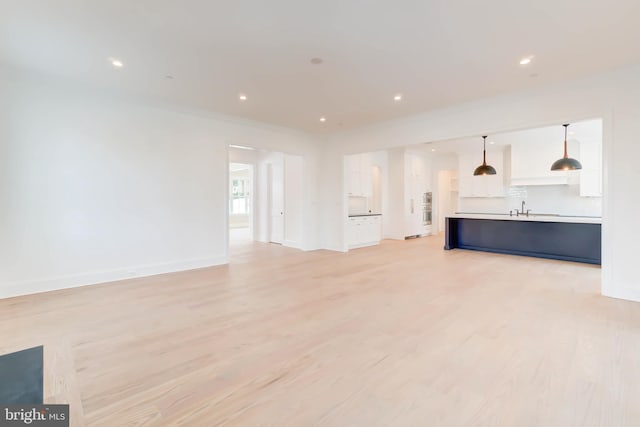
(364, 231)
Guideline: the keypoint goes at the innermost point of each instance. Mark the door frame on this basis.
(270, 204)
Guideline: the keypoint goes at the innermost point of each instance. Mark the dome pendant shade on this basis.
(566, 163)
(484, 168)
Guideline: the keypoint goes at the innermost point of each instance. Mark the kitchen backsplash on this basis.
(358, 205)
(544, 199)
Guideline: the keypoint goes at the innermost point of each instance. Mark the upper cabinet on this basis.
(591, 173)
(534, 151)
(360, 178)
(417, 174)
(486, 185)
(531, 162)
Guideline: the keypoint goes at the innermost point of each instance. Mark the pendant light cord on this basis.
(566, 155)
(484, 151)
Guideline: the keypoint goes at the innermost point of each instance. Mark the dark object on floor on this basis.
(21, 377)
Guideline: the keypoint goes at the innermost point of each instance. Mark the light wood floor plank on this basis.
(404, 333)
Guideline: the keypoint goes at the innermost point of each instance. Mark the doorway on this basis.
(266, 192)
(241, 203)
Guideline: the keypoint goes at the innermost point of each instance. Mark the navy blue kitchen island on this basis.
(562, 238)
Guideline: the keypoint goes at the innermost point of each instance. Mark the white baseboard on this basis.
(291, 244)
(364, 245)
(15, 289)
(334, 248)
(623, 292)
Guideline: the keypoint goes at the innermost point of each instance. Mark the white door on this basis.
(275, 173)
(294, 193)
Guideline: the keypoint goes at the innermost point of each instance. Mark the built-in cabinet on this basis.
(591, 173)
(364, 231)
(409, 180)
(527, 163)
(364, 186)
(417, 183)
(359, 168)
(485, 185)
(531, 163)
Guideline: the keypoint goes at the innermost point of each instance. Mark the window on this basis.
(240, 200)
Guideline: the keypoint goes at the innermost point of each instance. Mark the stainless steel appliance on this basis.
(427, 208)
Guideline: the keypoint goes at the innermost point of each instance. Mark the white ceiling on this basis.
(434, 52)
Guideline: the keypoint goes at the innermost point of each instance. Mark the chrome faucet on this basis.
(521, 211)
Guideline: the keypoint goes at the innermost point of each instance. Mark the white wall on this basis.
(248, 157)
(97, 187)
(614, 96)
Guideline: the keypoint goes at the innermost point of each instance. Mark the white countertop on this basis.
(531, 217)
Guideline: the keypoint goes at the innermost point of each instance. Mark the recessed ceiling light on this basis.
(525, 61)
(433, 149)
(398, 97)
(116, 63)
(242, 97)
(316, 61)
(572, 133)
(492, 142)
(323, 119)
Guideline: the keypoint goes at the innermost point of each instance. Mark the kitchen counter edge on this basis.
(540, 218)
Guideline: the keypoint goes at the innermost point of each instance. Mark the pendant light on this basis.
(566, 163)
(484, 168)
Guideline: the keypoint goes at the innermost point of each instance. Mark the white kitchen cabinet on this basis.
(484, 185)
(591, 172)
(417, 182)
(410, 176)
(531, 163)
(364, 231)
(358, 170)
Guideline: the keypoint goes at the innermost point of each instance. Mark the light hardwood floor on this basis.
(402, 334)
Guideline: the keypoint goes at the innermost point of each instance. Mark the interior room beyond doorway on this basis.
(240, 203)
